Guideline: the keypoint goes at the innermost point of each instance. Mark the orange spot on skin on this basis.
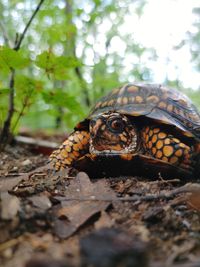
(173, 160)
(168, 151)
(159, 144)
(76, 147)
(150, 133)
(162, 135)
(182, 145)
(85, 140)
(76, 138)
(68, 148)
(165, 159)
(70, 138)
(146, 138)
(159, 154)
(176, 140)
(150, 144)
(179, 153)
(154, 150)
(167, 141)
(147, 129)
(71, 156)
(64, 153)
(186, 153)
(154, 138)
(68, 161)
(79, 136)
(117, 147)
(66, 142)
(85, 134)
(91, 156)
(76, 154)
(69, 143)
(123, 138)
(156, 130)
(58, 165)
(126, 156)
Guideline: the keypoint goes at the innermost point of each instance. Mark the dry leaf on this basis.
(72, 214)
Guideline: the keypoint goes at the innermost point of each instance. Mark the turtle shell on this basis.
(156, 102)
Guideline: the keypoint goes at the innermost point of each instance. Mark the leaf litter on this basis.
(51, 219)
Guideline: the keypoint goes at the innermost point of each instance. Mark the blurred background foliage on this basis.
(70, 57)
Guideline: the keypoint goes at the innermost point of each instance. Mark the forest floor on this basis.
(50, 219)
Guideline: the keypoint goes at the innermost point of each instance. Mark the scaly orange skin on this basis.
(73, 148)
(163, 146)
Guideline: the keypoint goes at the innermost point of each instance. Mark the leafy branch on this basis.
(5, 133)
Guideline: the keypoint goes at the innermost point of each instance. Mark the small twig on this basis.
(19, 42)
(188, 188)
(24, 106)
(170, 181)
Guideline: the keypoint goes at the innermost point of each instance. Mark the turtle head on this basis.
(112, 133)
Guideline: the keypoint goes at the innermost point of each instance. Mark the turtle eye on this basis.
(116, 125)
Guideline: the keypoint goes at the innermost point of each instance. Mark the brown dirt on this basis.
(53, 219)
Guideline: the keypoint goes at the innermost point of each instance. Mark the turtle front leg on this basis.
(73, 148)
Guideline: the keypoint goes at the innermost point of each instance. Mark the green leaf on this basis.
(63, 99)
(10, 58)
(25, 85)
(58, 66)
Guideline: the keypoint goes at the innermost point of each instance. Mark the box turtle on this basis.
(137, 129)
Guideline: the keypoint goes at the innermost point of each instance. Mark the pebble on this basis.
(26, 162)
